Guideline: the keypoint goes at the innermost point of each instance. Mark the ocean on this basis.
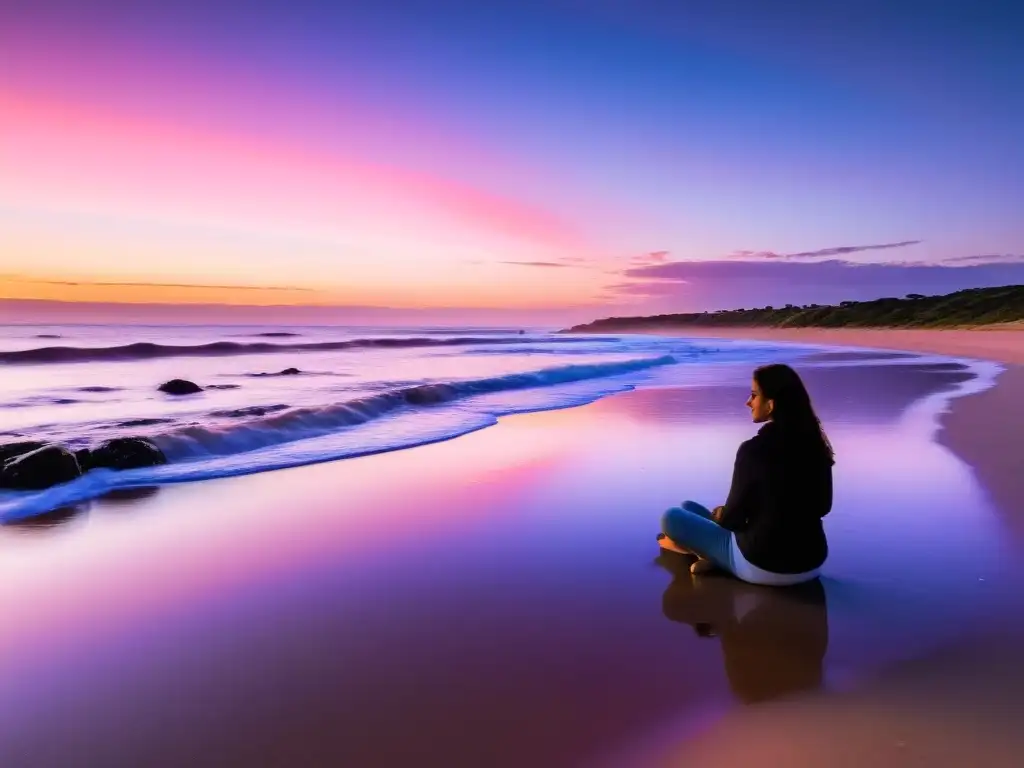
(357, 390)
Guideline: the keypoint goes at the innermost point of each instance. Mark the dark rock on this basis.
(41, 468)
(180, 387)
(84, 457)
(224, 386)
(126, 453)
(10, 450)
(285, 372)
(144, 422)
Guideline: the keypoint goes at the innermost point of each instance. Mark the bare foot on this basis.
(666, 543)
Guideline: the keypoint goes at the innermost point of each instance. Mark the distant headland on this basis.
(962, 309)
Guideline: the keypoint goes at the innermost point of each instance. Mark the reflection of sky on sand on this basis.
(864, 394)
(489, 600)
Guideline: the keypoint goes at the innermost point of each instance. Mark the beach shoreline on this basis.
(347, 585)
(997, 344)
(914, 712)
(986, 428)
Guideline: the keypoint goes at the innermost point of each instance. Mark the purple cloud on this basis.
(841, 250)
(659, 288)
(709, 285)
(992, 258)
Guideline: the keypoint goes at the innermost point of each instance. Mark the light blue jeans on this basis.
(692, 527)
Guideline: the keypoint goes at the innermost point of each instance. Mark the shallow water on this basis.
(498, 599)
(320, 393)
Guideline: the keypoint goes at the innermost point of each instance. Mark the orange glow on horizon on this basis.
(83, 291)
(112, 208)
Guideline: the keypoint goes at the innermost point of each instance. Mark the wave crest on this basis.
(196, 441)
(150, 350)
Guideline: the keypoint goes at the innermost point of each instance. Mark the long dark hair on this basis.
(792, 413)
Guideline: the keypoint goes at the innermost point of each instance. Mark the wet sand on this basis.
(986, 430)
(956, 705)
(498, 599)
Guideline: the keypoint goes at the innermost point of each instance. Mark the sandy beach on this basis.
(499, 599)
(336, 431)
(952, 706)
(985, 429)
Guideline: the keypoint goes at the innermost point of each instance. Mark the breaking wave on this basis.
(393, 419)
(279, 424)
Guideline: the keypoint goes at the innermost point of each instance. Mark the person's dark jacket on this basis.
(778, 497)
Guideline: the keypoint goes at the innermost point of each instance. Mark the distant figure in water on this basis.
(769, 530)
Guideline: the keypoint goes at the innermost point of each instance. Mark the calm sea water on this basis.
(358, 390)
(500, 597)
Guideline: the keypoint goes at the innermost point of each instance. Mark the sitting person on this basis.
(769, 531)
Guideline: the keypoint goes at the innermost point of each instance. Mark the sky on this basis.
(517, 161)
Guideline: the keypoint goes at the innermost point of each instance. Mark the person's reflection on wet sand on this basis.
(773, 639)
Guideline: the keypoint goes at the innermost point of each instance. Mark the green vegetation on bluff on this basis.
(971, 307)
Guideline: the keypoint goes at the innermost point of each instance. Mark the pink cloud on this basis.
(545, 264)
(653, 257)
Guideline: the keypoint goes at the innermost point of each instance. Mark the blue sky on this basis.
(442, 155)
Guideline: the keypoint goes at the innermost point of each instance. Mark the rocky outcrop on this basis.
(180, 387)
(84, 456)
(41, 468)
(285, 372)
(11, 450)
(33, 465)
(125, 453)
